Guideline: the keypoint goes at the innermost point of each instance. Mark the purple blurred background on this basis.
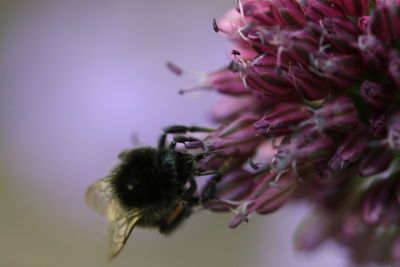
(78, 79)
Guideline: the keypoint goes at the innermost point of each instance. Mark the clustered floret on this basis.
(314, 83)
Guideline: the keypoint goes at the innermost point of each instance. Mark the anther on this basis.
(215, 25)
(235, 52)
(174, 68)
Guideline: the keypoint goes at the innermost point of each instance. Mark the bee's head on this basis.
(136, 182)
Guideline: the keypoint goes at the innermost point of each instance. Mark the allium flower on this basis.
(319, 81)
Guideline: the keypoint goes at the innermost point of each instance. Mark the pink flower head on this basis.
(319, 81)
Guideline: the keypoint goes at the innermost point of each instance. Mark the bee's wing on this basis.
(98, 196)
(121, 222)
(120, 226)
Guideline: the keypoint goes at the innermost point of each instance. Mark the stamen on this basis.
(241, 11)
(393, 168)
(235, 53)
(203, 82)
(174, 68)
(275, 185)
(241, 209)
(239, 31)
(234, 66)
(244, 81)
(255, 61)
(215, 25)
(193, 89)
(231, 202)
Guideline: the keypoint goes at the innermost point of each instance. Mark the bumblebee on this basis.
(151, 187)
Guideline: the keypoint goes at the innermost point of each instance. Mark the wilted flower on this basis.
(319, 80)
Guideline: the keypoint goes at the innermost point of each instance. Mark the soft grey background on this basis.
(77, 79)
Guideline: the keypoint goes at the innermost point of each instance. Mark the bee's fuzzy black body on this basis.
(154, 180)
(153, 187)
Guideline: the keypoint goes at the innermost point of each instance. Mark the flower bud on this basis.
(260, 12)
(342, 69)
(264, 76)
(383, 3)
(230, 23)
(281, 118)
(375, 160)
(289, 13)
(267, 196)
(385, 22)
(307, 147)
(375, 94)
(355, 8)
(302, 43)
(326, 178)
(374, 53)
(341, 33)
(227, 82)
(313, 230)
(234, 186)
(311, 86)
(349, 151)
(375, 202)
(341, 27)
(352, 226)
(337, 114)
(271, 197)
(377, 124)
(320, 9)
(236, 141)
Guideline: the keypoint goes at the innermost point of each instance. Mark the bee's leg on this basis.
(192, 188)
(188, 194)
(180, 129)
(210, 188)
(201, 156)
(174, 218)
(182, 139)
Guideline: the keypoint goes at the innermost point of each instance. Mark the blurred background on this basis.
(77, 80)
